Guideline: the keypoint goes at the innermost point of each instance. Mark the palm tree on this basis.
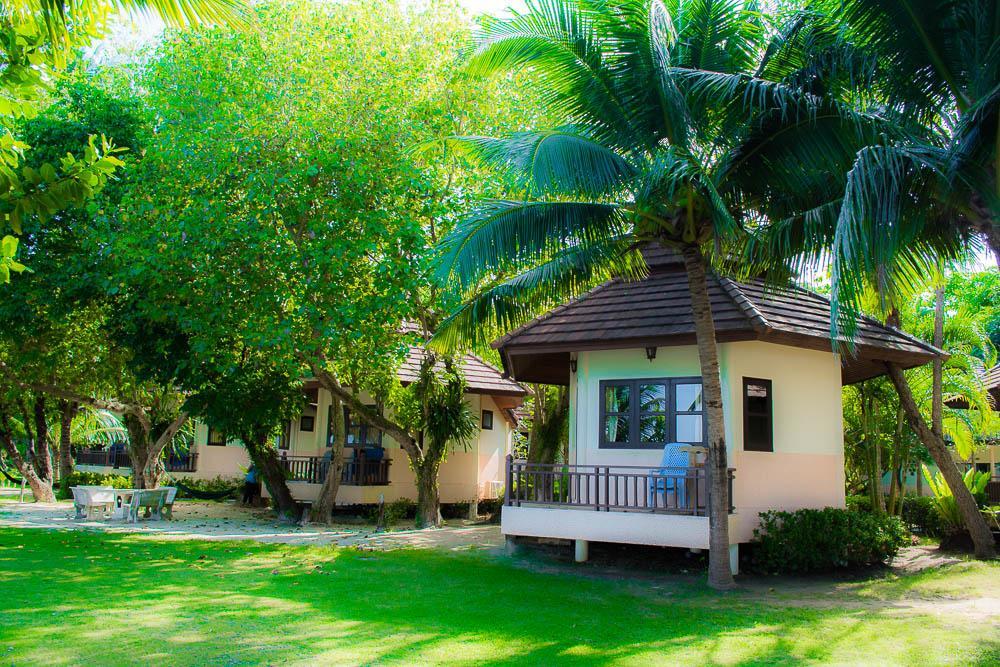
(684, 123)
(925, 191)
(937, 70)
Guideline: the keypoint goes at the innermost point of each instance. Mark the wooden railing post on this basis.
(509, 476)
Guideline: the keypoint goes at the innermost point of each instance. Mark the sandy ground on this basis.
(228, 521)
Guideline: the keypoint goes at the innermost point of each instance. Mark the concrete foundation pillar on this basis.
(581, 551)
(734, 558)
(473, 510)
(510, 545)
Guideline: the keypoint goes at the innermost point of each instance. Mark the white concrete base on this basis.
(663, 530)
(581, 551)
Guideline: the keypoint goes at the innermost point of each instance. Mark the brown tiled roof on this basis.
(481, 377)
(991, 379)
(657, 311)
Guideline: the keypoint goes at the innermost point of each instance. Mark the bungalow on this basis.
(627, 352)
(375, 466)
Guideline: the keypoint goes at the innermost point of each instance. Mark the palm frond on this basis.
(559, 41)
(553, 162)
(502, 234)
(505, 304)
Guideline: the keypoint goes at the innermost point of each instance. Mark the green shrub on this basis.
(812, 540)
(395, 512)
(218, 484)
(921, 515)
(945, 503)
(79, 478)
(491, 507)
(859, 503)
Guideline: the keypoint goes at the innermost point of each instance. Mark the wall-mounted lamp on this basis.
(651, 353)
(572, 365)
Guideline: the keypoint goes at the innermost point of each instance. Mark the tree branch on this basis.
(395, 431)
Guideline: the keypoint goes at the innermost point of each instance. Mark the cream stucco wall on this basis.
(806, 468)
(230, 461)
(475, 471)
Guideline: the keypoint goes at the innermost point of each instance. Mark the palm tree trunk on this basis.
(428, 493)
(322, 510)
(719, 572)
(937, 391)
(980, 533)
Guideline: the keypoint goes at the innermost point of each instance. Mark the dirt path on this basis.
(228, 521)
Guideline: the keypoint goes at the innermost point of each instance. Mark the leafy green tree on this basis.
(251, 398)
(291, 212)
(682, 123)
(37, 39)
(61, 335)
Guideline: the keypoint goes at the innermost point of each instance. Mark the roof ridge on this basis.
(550, 313)
(733, 290)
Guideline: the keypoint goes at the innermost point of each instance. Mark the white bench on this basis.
(153, 500)
(87, 498)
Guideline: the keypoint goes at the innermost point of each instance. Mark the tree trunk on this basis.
(138, 453)
(265, 458)
(879, 505)
(42, 453)
(67, 411)
(980, 533)
(937, 391)
(41, 490)
(144, 452)
(322, 510)
(428, 494)
(548, 424)
(719, 573)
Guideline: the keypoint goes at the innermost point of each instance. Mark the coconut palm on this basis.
(937, 65)
(926, 191)
(684, 123)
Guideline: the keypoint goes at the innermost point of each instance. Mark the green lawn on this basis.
(90, 598)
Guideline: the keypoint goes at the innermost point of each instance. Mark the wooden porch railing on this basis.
(358, 471)
(103, 457)
(181, 462)
(610, 488)
(120, 459)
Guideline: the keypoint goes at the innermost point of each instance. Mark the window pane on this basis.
(653, 397)
(616, 429)
(617, 397)
(689, 428)
(653, 428)
(688, 398)
(757, 430)
(757, 397)
(373, 436)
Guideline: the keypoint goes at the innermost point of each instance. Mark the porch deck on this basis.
(626, 504)
(358, 471)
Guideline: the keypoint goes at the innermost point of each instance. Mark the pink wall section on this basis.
(767, 480)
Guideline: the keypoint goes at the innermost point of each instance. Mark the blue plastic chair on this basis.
(674, 462)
